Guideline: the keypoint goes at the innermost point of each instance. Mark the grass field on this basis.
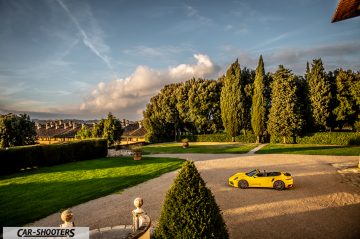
(310, 149)
(31, 195)
(199, 147)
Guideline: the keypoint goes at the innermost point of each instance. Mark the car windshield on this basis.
(252, 173)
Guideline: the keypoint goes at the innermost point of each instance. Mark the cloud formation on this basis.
(130, 95)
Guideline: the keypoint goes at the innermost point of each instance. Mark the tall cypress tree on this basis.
(232, 101)
(285, 114)
(190, 209)
(258, 109)
(346, 111)
(320, 95)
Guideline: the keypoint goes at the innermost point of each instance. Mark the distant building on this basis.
(133, 133)
(55, 131)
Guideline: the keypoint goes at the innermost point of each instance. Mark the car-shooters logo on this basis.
(45, 232)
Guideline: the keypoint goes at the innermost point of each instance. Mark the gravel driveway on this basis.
(322, 204)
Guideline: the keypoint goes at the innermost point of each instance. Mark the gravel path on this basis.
(322, 204)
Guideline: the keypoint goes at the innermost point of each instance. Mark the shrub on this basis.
(222, 137)
(333, 138)
(16, 158)
(190, 210)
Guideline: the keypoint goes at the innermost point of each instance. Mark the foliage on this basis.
(310, 149)
(137, 149)
(285, 116)
(328, 138)
(186, 140)
(232, 101)
(16, 130)
(204, 106)
(17, 158)
(199, 147)
(258, 109)
(51, 189)
(161, 117)
(320, 95)
(347, 110)
(109, 129)
(190, 209)
(112, 129)
(84, 133)
(223, 137)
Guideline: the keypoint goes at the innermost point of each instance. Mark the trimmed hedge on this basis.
(333, 138)
(16, 158)
(249, 138)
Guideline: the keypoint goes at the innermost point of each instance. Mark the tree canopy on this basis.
(258, 110)
(232, 101)
(16, 130)
(285, 115)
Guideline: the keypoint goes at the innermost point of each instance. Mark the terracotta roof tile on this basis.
(346, 9)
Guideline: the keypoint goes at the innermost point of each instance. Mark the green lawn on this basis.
(310, 149)
(199, 147)
(33, 194)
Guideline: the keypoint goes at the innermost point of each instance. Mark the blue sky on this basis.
(62, 58)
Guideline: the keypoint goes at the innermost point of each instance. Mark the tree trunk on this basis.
(232, 139)
(258, 139)
(284, 139)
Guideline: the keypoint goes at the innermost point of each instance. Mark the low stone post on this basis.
(66, 217)
(137, 213)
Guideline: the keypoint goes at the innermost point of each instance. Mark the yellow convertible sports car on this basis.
(255, 178)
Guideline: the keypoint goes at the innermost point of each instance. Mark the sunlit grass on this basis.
(310, 149)
(199, 147)
(34, 194)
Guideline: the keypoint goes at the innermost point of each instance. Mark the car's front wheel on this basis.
(243, 184)
(279, 185)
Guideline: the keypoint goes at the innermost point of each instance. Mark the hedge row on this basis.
(249, 138)
(16, 158)
(333, 138)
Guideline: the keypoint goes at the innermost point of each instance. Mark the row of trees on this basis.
(279, 104)
(109, 128)
(16, 130)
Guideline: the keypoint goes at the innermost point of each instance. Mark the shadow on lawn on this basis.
(22, 203)
(94, 164)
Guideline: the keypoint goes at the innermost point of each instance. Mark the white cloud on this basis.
(130, 95)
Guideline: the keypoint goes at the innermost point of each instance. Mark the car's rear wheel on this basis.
(243, 184)
(279, 185)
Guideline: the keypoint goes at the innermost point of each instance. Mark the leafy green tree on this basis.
(112, 129)
(84, 133)
(98, 129)
(285, 113)
(346, 111)
(109, 128)
(258, 111)
(320, 95)
(204, 106)
(248, 77)
(355, 93)
(161, 117)
(232, 101)
(16, 130)
(190, 209)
